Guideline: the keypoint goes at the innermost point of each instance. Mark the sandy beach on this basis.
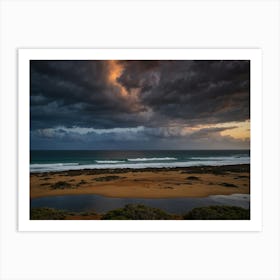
(144, 183)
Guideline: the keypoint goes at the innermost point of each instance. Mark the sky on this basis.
(111, 105)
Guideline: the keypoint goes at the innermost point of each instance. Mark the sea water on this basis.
(61, 160)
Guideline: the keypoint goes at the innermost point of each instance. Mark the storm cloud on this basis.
(138, 104)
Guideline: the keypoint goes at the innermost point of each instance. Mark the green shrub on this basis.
(136, 212)
(44, 213)
(218, 213)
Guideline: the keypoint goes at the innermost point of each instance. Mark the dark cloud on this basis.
(74, 93)
(161, 96)
(193, 91)
(133, 138)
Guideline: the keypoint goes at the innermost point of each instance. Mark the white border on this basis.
(24, 57)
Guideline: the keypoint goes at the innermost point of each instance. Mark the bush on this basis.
(82, 182)
(61, 185)
(218, 213)
(44, 213)
(193, 178)
(86, 213)
(137, 212)
(107, 178)
(228, 185)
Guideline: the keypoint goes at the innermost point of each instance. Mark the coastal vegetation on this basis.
(61, 185)
(193, 178)
(107, 178)
(45, 213)
(218, 213)
(137, 212)
(228, 185)
(142, 212)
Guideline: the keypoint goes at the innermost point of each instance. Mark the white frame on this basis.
(24, 57)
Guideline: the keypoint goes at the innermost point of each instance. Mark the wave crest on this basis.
(109, 161)
(152, 159)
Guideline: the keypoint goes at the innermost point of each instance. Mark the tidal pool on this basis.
(102, 204)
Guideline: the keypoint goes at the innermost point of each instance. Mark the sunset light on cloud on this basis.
(115, 70)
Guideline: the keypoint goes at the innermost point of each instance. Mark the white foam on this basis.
(221, 158)
(53, 165)
(152, 159)
(109, 161)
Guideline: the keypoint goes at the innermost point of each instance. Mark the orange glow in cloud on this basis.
(131, 97)
(115, 71)
(240, 131)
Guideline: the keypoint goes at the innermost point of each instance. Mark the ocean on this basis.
(61, 160)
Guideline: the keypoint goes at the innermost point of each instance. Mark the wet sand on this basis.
(144, 183)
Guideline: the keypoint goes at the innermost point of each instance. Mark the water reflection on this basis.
(102, 204)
